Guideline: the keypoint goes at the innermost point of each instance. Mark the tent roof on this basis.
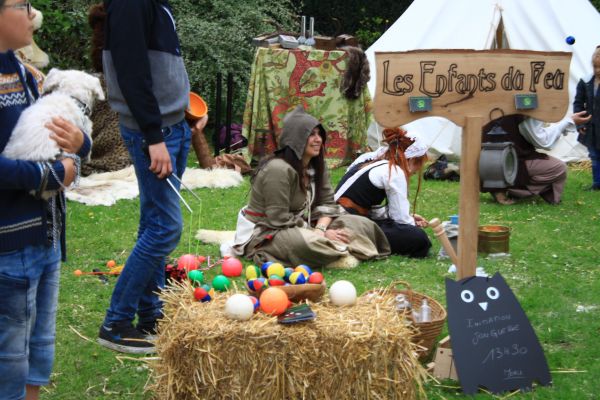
(541, 25)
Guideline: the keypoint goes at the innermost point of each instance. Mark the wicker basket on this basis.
(297, 293)
(427, 331)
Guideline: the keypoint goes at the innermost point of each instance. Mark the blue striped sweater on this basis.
(23, 218)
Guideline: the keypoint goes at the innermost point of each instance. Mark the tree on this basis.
(366, 20)
(216, 36)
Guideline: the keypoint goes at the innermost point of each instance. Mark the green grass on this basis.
(553, 268)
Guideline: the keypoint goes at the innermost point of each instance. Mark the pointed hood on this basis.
(297, 126)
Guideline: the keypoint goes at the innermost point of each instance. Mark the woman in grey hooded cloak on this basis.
(292, 218)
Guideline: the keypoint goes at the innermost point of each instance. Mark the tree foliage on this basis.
(65, 34)
(366, 20)
(216, 36)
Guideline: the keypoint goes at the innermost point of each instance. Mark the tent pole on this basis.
(469, 197)
(500, 35)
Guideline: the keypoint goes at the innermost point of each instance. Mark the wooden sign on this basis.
(465, 86)
(493, 342)
(460, 83)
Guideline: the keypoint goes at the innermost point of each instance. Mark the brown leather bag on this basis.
(233, 161)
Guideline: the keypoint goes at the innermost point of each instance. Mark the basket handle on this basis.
(405, 284)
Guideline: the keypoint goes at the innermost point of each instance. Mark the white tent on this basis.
(541, 25)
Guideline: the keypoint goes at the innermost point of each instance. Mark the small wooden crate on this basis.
(444, 361)
(326, 43)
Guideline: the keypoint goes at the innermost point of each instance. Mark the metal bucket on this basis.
(493, 239)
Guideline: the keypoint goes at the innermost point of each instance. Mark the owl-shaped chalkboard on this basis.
(492, 340)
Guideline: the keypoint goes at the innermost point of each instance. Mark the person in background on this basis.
(587, 98)
(537, 173)
(291, 217)
(32, 230)
(384, 175)
(148, 87)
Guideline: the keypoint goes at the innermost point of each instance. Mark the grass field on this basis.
(554, 268)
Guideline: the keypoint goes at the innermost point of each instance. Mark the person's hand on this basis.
(319, 232)
(337, 234)
(160, 160)
(580, 119)
(68, 136)
(198, 127)
(69, 166)
(420, 221)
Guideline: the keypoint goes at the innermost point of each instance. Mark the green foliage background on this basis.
(216, 36)
(367, 20)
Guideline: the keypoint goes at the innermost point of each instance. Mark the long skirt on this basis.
(547, 180)
(408, 240)
(294, 246)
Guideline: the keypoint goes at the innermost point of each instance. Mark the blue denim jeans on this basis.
(595, 157)
(29, 280)
(158, 233)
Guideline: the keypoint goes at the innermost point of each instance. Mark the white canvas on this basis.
(541, 25)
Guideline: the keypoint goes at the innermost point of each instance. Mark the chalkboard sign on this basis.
(493, 342)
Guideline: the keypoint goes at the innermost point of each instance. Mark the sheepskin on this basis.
(104, 189)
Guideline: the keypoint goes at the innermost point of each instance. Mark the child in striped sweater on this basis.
(32, 238)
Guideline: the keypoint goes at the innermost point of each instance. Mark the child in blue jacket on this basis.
(32, 233)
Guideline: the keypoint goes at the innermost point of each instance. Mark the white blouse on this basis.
(396, 191)
(543, 135)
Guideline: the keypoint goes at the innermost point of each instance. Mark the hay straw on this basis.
(584, 165)
(364, 351)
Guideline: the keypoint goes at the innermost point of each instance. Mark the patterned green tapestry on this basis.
(281, 79)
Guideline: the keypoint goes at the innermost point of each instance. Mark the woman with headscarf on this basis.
(291, 216)
(385, 175)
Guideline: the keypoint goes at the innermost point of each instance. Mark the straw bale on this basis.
(359, 352)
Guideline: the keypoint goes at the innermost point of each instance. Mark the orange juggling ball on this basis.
(273, 301)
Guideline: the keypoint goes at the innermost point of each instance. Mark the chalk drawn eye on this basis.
(492, 293)
(467, 296)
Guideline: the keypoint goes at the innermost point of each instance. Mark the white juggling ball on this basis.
(342, 293)
(240, 307)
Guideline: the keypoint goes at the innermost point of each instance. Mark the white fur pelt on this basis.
(214, 237)
(104, 189)
(30, 139)
(344, 262)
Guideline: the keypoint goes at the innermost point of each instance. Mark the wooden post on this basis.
(464, 86)
(439, 232)
(469, 197)
(217, 134)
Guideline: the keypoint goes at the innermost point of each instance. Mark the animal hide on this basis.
(214, 237)
(106, 188)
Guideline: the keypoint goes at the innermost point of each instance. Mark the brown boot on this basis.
(205, 159)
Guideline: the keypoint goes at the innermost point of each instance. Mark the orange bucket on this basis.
(197, 108)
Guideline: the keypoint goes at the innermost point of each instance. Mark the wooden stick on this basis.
(79, 273)
(440, 233)
(218, 101)
(469, 198)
